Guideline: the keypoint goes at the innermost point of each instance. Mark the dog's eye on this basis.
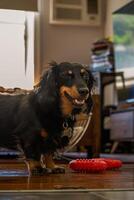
(67, 74)
(70, 74)
(85, 76)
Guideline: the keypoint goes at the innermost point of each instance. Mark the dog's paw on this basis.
(56, 170)
(38, 171)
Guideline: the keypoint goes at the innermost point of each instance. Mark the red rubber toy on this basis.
(88, 165)
(94, 165)
(111, 163)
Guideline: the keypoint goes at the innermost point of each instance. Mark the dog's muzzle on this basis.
(80, 101)
(83, 91)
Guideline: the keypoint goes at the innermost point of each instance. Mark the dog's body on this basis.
(36, 122)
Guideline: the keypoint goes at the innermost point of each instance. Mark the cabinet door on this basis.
(122, 127)
(16, 69)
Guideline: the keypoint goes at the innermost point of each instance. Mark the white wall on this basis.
(67, 43)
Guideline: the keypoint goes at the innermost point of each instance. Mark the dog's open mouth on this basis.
(76, 101)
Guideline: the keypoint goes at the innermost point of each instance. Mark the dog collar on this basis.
(68, 130)
(67, 121)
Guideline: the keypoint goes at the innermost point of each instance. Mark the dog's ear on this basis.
(90, 82)
(91, 79)
(48, 86)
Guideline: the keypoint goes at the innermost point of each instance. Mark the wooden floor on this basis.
(14, 176)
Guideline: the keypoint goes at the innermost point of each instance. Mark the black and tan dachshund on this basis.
(36, 122)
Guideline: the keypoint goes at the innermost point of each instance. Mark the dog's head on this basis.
(71, 82)
(75, 85)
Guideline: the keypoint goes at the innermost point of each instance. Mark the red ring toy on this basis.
(111, 163)
(94, 165)
(88, 165)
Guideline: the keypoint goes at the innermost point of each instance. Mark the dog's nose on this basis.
(83, 91)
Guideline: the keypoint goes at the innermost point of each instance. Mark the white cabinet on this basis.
(16, 49)
(75, 12)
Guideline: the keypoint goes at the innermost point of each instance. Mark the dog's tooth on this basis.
(87, 96)
(79, 102)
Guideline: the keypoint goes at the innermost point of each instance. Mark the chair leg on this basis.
(114, 146)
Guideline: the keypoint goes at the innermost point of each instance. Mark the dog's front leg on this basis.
(50, 165)
(34, 167)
